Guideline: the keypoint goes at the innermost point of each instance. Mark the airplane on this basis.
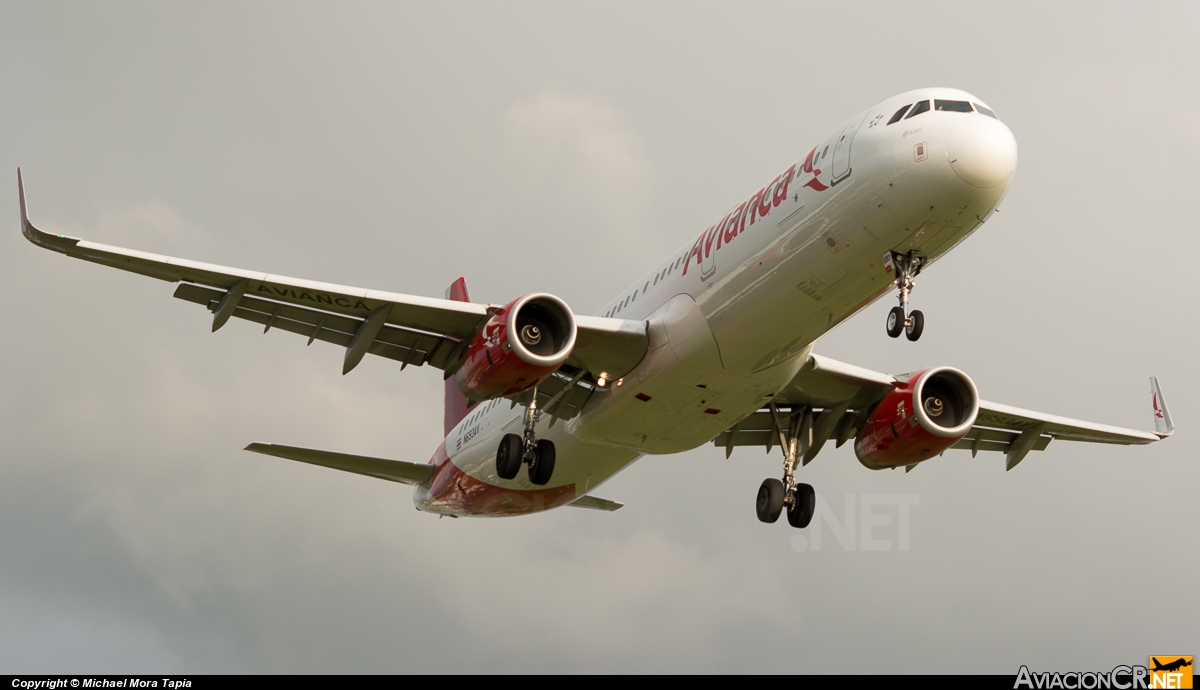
(714, 345)
(1181, 662)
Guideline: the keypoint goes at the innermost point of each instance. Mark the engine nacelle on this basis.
(520, 346)
(932, 411)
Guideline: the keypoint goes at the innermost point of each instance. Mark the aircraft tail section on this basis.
(457, 405)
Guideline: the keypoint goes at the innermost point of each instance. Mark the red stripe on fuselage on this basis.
(455, 491)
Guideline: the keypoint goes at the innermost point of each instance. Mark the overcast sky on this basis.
(568, 147)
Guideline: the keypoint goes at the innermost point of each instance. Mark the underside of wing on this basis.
(996, 416)
(410, 329)
(828, 399)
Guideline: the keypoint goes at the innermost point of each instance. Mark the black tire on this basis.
(895, 322)
(770, 500)
(508, 456)
(915, 326)
(543, 463)
(804, 505)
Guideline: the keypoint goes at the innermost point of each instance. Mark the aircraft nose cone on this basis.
(982, 151)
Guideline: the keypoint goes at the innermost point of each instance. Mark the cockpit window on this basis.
(985, 111)
(919, 108)
(954, 106)
(899, 114)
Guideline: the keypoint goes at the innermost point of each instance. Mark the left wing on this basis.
(407, 328)
(833, 399)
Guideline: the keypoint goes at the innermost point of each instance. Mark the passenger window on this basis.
(899, 114)
(952, 106)
(919, 108)
(985, 111)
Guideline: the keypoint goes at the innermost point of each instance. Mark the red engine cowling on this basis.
(520, 346)
(932, 411)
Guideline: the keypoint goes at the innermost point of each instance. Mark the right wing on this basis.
(833, 399)
(407, 328)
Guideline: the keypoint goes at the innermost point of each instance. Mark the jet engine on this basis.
(930, 412)
(520, 345)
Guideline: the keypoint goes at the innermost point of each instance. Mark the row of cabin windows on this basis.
(632, 298)
(938, 104)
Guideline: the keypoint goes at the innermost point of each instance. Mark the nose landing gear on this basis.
(527, 449)
(775, 496)
(900, 318)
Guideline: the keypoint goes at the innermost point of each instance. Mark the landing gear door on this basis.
(841, 150)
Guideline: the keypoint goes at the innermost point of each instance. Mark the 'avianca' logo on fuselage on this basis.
(758, 206)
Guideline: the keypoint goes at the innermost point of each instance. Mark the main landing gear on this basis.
(900, 318)
(528, 449)
(775, 496)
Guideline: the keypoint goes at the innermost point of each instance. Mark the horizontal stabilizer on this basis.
(596, 503)
(391, 470)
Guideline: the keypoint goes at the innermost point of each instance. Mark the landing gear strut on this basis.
(527, 449)
(900, 318)
(775, 496)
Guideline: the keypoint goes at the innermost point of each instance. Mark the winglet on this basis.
(21, 195)
(58, 243)
(1163, 426)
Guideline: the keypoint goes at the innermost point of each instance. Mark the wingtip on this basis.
(58, 243)
(1163, 426)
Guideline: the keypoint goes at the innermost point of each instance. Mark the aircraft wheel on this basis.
(770, 500)
(508, 456)
(804, 505)
(915, 326)
(543, 463)
(895, 322)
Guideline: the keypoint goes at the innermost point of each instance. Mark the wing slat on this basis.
(400, 344)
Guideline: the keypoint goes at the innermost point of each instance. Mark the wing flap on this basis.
(996, 440)
(401, 344)
(391, 470)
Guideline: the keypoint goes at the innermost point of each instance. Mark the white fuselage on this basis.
(733, 315)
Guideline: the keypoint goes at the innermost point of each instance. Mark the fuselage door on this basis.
(841, 150)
